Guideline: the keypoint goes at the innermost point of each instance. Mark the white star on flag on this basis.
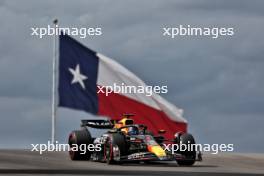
(77, 76)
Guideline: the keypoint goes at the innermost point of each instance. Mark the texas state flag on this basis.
(81, 70)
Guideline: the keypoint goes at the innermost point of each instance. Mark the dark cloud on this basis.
(218, 82)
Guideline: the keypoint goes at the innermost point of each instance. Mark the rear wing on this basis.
(100, 124)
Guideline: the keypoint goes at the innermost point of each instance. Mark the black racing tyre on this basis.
(119, 140)
(108, 154)
(77, 138)
(190, 155)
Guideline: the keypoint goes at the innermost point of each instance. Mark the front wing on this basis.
(148, 156)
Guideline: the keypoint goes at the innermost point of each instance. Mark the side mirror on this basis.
(162, 131)
(112, 131)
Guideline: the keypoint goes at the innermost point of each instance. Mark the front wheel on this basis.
(115, 148)
(109, 154)
(190, 156)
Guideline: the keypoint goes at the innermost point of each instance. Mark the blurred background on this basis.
(218, 82)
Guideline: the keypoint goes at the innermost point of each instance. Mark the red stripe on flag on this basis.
(115, 105)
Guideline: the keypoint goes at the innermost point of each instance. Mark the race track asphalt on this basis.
(25, 162)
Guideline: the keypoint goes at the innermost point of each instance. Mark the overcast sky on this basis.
(218, 82)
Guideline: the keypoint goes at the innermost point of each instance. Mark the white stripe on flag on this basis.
(110, 72)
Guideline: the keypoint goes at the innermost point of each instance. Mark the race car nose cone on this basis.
(157, 150)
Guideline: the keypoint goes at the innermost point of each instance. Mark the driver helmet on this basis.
(132, 130)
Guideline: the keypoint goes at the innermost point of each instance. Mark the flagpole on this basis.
(54, 84)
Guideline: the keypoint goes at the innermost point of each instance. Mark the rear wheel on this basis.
(190, 156)
(76, 139)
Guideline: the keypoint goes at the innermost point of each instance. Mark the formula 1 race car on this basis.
(125, 141)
